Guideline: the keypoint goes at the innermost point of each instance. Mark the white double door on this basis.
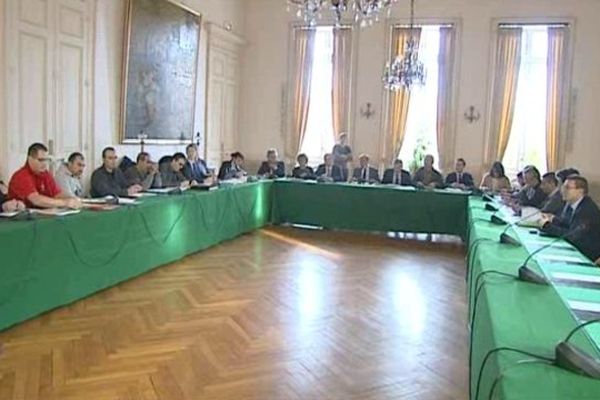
(48, 69)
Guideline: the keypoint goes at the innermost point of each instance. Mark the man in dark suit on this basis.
(397, 175)
(554, 203)
(460, 179)
(195, 168)
(328, 171)
(272, 168)
(579, 221)
(532, 194)
(427, 176)
(234, 168)
(365, 173)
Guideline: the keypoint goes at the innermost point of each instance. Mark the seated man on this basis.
(234, 168)
(144, 173)
(272, 168)
(365, 173)
(397, 175)
(35, 186)
(9, 205)
(68, 176)
(579, 221)
(554, 203)
(195, 168)
(460, 179)
(563, 174)
(328, 171)
(303, 171)
(427, 176)
(171, 173)
(109, 180)
(531, 195)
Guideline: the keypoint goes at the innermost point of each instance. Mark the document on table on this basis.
(163, 190)
(9, 214)
(127, 202)
(584, 306)
(143, 194)
(561, 258)
(568, 276)
(54, 212)
(101, 200)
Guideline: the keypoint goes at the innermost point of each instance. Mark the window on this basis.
(422, 110)
(527, 141)
(319, 137)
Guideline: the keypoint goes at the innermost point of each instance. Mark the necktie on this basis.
(364, 174)
(328, 172)
(458, 177)
(396, 180)
(568, 215)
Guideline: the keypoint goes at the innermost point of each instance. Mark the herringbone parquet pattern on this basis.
(277, 314)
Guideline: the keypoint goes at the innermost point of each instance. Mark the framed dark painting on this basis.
(160, 67)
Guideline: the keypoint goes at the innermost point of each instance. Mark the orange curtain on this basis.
(506, 77)
(304, 42)
(444, 100)
(399, 101)
(342, 69)
(555, 93)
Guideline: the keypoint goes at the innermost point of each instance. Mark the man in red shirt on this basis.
(35, 186)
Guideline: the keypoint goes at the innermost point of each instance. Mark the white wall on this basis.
(110, 20)
(265, 72)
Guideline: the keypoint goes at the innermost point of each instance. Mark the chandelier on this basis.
(364, 12)
(406, 71)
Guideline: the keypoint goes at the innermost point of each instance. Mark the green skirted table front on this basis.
(519, 315)
(49, 262)
(370, 208)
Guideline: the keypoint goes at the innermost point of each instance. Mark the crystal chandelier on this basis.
(365, 12)
(406, 71)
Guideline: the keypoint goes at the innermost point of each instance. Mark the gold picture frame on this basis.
(158, 96)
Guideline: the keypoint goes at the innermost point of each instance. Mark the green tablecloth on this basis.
(50, 262)
(370, 208)
(519, 315)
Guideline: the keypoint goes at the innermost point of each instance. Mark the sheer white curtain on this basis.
(527, 140)
(319, 136)
(421, 124)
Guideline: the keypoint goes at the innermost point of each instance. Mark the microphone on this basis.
(491, 207)
(487, 198)
(505, 238)
(572, 358)
(529, 275)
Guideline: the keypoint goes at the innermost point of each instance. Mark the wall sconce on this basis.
(472, 115)
(368, 113)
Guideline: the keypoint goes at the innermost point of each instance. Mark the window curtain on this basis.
(304, 43)
(446, 63)
(342, 70)
(557, 37)
(506, 77)
(399, 101)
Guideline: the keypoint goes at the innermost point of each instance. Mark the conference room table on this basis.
(508, 314)
(50, 262)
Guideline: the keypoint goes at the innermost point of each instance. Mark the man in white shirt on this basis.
(68, 176)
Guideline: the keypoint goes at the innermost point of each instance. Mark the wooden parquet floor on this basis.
(277, 314)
